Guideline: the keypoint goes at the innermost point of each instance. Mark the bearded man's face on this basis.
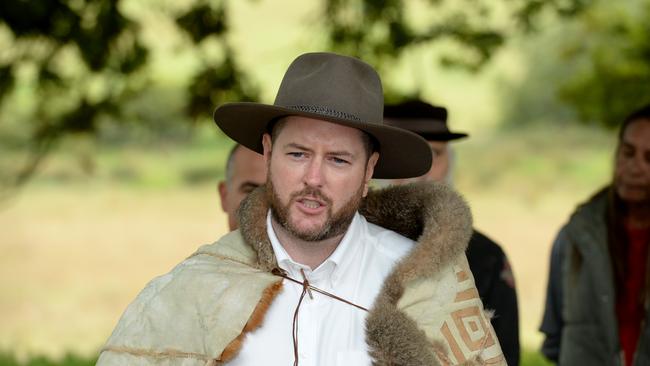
(318, 173)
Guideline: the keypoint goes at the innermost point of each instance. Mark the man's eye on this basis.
(247, 188)
(339, 161)
(296, 154)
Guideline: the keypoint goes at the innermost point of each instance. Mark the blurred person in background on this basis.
(245, 171)
(598, 291)
(487, 261)
(315, 274)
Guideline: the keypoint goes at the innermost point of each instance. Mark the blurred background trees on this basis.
(589, 62)
(75, 67)
(93, 67)
(105, 109)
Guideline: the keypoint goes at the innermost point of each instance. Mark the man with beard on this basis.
(598, 294)
(321, 271)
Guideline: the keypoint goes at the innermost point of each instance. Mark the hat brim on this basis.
(442, 136)
(402, 154)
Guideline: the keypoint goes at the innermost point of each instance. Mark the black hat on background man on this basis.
(420, 117)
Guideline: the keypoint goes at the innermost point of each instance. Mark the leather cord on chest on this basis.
(306, 289)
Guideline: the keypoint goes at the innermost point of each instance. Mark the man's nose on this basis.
(314, 174)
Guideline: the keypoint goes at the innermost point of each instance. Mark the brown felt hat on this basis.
(420, 117)
(337, 89)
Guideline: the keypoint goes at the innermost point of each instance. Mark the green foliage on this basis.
(76, 58)
(84, 67)
(379, 31)
(615, 77)
(598, 64)
(533, 98)
(8, 359)
(70, 66)
(233, 87)
(213, 83)
(534, 358)
(529, 11)
(203, 21)
(590, 64)
(528, 359)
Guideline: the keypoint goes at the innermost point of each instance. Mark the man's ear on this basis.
(223, 195)
(370, 170)
(267, 144)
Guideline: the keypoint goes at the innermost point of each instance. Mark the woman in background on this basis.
(599, 288)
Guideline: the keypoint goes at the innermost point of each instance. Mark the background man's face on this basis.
(317, 176)
(632, 170)
(439, 168)
(248, 173)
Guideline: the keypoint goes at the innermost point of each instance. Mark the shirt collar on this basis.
(336, 262)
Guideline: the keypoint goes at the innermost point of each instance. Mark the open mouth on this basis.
(310, 203)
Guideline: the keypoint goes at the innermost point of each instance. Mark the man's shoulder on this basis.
(190, 310)
(212, 267)
(230, 247)
(388, 242)
(591, 211)
(588, 221)
(487, 260)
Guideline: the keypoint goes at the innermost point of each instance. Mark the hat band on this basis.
(325, 111)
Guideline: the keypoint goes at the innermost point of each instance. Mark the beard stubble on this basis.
(335, 224)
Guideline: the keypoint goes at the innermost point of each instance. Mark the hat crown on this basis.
(420, 117)
(333, 85)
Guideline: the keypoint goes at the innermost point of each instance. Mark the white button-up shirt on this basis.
(330, 332)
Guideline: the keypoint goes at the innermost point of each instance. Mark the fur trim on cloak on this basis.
(433, 215)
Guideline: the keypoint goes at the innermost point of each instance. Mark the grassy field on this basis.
(528, 359)
(78, 246)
